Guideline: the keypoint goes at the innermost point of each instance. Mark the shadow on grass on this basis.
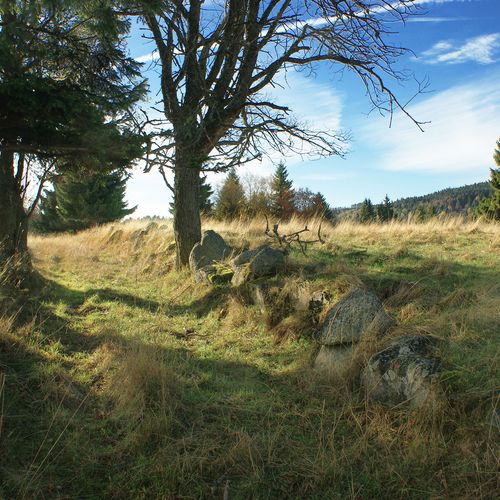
(230, 421)
(62, 431)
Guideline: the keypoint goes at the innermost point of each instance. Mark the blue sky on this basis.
(456, 45)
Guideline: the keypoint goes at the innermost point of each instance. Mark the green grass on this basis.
(125, 379)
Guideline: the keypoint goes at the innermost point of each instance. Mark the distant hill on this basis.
(451, 200)
(460, 200)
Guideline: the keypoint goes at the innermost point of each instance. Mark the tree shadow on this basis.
(60, 426)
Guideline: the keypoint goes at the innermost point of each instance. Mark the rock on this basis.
(253, 264)
(359, 313)
(246, 256)
(405, 372)
(333, 358)
(213, 274)
(212, 248)
(300, 296)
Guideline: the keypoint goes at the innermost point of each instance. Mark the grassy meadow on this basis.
(123, 378)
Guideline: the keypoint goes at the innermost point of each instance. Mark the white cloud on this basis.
(424, 19)
(312, 103)
(152, 56)
(483, 49)
(461, 136)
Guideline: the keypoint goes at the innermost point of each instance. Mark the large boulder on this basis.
(258, 263)
(333, 359)
(212, 248)
(406, 372)
(360, 313)
(246, 256)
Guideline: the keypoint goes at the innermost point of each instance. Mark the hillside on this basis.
(451, 201)
(124, 378)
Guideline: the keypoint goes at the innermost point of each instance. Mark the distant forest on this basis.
(460, 200)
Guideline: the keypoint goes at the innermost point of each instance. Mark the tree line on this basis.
(79, 201)
(275, 196)
(70, 96)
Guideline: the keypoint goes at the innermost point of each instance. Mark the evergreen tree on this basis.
(79, 201)
(205, 193)
(66, 84)
(321, 207)
(385, 211)
(367, 211)
(490, 207)
(230, 198)
(282, 193)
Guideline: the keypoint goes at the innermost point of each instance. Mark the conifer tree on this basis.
(80, 201)
(385, 211)
(490, 207)
(282, 197)
(367, 211)
(321, 207)
(67, 87)
(205, 193)
(230, 198)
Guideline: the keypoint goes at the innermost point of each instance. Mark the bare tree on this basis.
(216, 60)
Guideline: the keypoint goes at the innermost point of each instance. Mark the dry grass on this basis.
(127, 379)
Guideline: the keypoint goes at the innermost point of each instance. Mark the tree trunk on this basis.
(14, 223)
(187, 222)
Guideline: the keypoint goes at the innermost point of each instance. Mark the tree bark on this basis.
(14, 221)
(187, 221)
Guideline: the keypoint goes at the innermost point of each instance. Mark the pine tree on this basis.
(321, 207)
(230, 198)
(367, 211)
(385, 211)
(205, 193)
(490, 207)
(67, 86)
(81, 201)
(282, 197)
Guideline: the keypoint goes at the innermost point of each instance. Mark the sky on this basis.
(455, 46)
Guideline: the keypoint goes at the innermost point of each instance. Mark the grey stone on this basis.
(213, 274)
(406, 372)
(246, 256)
(212, 248)
(266, 261)
(334, 359)
(359, 313)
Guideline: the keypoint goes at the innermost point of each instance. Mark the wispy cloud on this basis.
(460, 137)
(313, 103)
(483, 49)
(425, 19)
(152, 56)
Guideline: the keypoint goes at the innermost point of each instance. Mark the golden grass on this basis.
(156, 386)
